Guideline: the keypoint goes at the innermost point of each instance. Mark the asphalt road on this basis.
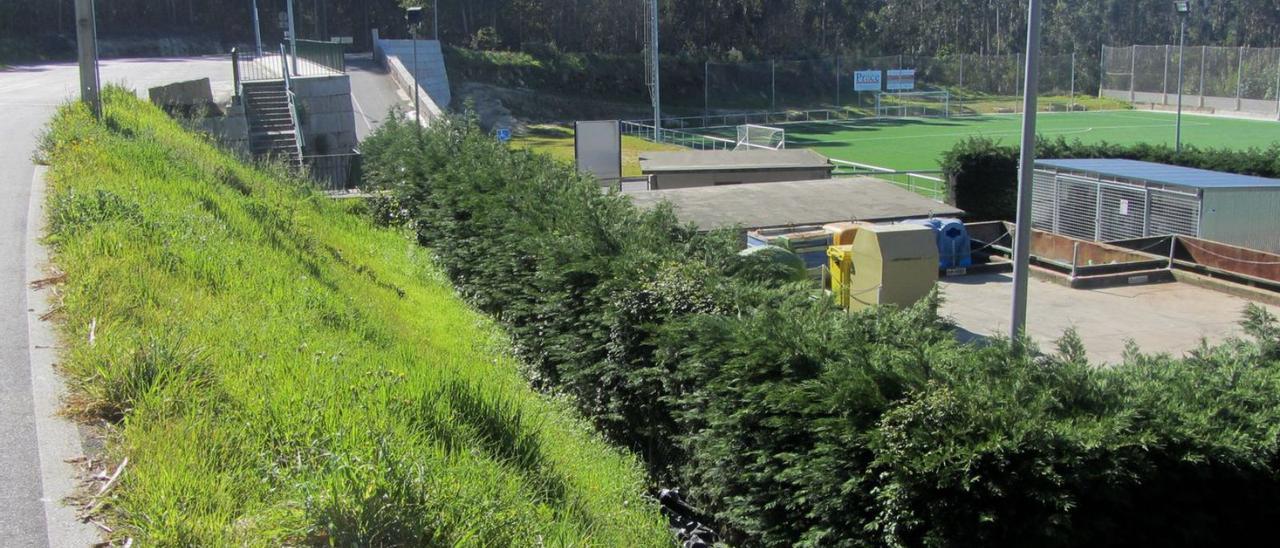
(374, 94)
(28, 98)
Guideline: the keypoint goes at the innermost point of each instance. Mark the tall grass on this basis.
(279, 371)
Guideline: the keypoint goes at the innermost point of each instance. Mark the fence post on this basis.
(1072, 103)
(1133, 73)
(838, 77)
(1240, 80)
(235, 72)
(706, 92)
(1102, 70)
(1164, 99)
(773, 88)
(1204, 54)
(1277, 91)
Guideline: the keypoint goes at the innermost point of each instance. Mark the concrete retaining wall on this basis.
(398, 57)
(232, 130)
(328, 118)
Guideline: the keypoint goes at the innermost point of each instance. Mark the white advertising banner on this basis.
(901, 80)
(867, 80)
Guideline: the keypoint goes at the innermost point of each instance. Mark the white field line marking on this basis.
(368, 122)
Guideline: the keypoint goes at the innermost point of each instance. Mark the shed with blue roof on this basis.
(1112, 200)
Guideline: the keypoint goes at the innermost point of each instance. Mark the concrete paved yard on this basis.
(1169, 318)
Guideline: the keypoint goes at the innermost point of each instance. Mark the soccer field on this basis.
(918, 143)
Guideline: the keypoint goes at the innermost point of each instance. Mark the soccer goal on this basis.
(761, 137)
(913, 104)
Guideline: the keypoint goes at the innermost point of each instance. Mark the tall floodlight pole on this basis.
(87, 42)
(293, 39)
(257, 30)
(1184, 9)
(1026, 172)
(655, 87)
(435, 20)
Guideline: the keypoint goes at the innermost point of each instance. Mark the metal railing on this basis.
(334, 172)
(293, 104)
(323, 58)
(928, 183)
(251, 67)
(676, 137)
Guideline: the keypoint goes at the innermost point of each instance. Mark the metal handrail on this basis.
(293, 108)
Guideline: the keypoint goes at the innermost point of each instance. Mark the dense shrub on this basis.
(983, 174)
(793, 422)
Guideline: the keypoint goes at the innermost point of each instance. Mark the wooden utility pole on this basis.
(87, 40)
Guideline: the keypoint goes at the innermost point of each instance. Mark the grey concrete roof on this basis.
(766, 205)
(726, 160)
(1160, 173)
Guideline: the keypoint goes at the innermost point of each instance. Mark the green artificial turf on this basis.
(918, 143)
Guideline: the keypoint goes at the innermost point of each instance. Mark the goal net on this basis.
(761, 137)
(913, 104)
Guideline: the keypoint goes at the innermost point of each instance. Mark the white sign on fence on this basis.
(901, 80)
(867, 80)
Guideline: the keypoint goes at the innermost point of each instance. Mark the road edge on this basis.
(57, 438)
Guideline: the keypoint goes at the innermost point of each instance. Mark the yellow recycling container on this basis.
(891, 264)
(842, 233)
(840, 266)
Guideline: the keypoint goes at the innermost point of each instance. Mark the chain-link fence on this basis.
(1243, 80)
(979, 84)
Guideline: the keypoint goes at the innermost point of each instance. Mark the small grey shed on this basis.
(1110, 200)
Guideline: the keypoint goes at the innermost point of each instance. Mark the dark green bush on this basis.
(795, 423)
(983, 174)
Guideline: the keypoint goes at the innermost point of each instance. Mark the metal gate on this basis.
(1097, 210)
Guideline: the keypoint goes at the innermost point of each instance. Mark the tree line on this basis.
(753, 28)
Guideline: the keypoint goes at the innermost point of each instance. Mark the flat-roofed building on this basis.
(701, 168)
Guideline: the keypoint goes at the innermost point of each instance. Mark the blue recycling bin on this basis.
(955, 247)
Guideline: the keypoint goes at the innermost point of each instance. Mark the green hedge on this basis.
(793, 422)
(983, 174)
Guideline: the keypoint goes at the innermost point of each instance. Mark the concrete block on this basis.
(187, 96)
(327, 104)
(329, 123)
(316, 86)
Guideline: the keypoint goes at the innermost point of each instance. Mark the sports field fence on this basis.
(1216, 79)
(978, 84)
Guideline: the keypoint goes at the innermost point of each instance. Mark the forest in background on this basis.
(717, 29)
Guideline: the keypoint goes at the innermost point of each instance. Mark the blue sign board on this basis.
(504, 134)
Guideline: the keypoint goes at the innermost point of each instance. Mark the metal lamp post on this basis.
(414, 17)
(257, 30)
(293, 38)
(1026, 173)
(1183, 8)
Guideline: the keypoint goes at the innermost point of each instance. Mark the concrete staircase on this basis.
(273, 132)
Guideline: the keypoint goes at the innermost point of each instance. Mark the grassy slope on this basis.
(279, 371)
(919, 143)
(558, 142)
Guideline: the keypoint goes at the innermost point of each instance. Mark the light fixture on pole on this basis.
(1026, 172)
(413, 16)
(1183, 8)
